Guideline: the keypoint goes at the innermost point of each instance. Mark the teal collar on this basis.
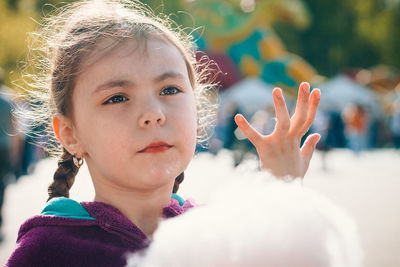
(179, 198)
(66, 207)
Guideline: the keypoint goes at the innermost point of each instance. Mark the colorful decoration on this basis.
(243, 30)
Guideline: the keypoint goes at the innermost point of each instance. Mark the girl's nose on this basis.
(152, 117)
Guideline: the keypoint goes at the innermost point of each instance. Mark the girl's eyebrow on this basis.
(127, 83)
(169, 74)
(113, 83)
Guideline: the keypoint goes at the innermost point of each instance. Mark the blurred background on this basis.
(348, 49)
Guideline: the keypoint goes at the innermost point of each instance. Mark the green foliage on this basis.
(14, 25)
(347, 34)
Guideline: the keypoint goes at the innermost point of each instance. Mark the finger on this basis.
(308, 147)
(282, 115)
(300, 115)
(247, 129)
(312, 111)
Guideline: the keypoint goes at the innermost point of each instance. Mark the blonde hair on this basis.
(62, 48)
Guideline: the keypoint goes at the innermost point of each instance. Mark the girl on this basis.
(126, 96)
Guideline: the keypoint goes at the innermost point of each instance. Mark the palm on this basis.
(280, 151)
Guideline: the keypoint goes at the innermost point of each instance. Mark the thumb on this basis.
(247, 129)
(308, 147)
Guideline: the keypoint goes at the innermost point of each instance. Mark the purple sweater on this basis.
(68, 233)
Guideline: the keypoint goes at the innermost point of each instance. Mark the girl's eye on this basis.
(170, 91)
(116, 99)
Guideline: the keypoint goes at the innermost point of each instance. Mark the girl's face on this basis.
(135, 116)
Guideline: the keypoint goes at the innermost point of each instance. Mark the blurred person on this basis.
(395, 123)
(336, 130)
(256, 222)
(34, 138)
(235, 140)
(231, 110)
(356, 122)
(7, 141)
(321, 125)
(26, 146)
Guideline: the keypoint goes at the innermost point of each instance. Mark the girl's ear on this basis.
(64, 131)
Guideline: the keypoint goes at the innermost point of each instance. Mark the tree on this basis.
(347, 34)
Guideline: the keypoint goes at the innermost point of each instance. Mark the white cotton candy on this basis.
(254, 220)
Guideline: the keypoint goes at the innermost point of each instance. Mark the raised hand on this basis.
(280, 152)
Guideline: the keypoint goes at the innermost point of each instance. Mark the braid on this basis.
(178, 180)
(64, 176)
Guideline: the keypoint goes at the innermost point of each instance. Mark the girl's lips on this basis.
(156, 147)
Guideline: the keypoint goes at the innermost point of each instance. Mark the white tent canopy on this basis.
(249, 95)
(340, 91)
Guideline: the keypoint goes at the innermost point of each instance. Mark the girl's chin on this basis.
(161, 175)
(164, 167)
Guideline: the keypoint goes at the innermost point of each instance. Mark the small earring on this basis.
(77, 161)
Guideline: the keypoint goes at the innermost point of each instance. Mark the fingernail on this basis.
(278, 92)
(304, 84)
(239, 117)
(317, 93)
